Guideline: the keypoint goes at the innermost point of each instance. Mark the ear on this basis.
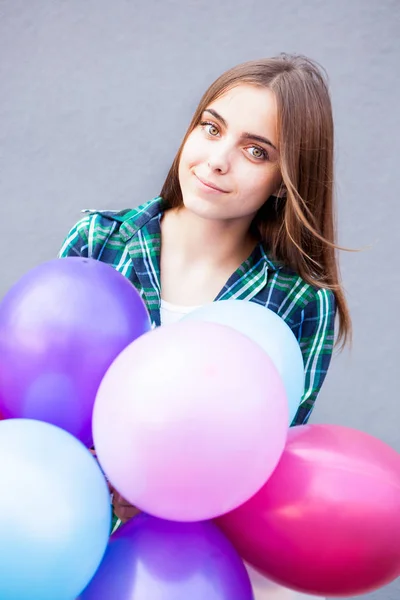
(281, 192)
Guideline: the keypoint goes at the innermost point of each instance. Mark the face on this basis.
(229, 164)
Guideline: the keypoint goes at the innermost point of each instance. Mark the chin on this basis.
(205, 209)
(201, 207)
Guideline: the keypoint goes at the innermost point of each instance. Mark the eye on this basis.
(259, 153)
(209, 128)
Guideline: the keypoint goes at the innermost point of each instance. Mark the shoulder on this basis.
(135, 217)
(101, 227)
(295, 299)
(302, 292)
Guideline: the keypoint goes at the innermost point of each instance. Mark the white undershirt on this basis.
(171, 313)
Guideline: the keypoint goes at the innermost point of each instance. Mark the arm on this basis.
(316, 343)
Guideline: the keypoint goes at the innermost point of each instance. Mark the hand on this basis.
(122, 508)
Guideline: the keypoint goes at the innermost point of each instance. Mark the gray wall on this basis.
(96, 94)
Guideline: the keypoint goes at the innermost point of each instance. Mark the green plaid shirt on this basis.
(130, 242)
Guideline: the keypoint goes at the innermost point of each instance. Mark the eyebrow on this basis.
(246, 135)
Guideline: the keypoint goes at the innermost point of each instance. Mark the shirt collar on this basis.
(137, 218)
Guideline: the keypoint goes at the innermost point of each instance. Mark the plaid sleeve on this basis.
(316, 343)
(77, 241)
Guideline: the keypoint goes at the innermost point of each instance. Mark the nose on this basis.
(219, 160)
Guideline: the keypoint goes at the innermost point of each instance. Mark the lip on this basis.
(210, 186)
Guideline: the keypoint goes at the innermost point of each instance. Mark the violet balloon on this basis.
(61, 326)
(327, 522)
(163, 560)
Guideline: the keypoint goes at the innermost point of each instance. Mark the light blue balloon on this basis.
(55, 513)
(267, 329)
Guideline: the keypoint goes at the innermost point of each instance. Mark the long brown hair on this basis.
(298, 229)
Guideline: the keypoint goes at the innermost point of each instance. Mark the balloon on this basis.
(265, 589)
(55, 515)
(267, 329)
(163, 560)
(61, 326)
(328, 520)
(190, 421)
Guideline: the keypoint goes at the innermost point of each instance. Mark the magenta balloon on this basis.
(327, 522)
(163, 560)
(61, 326)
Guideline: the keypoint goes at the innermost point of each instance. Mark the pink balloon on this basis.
(190, 421)
(328, 520)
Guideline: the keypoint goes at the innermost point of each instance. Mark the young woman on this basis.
(246, 212)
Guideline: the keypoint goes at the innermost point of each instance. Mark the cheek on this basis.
(256, 184)
(193, 151)
(255, 188)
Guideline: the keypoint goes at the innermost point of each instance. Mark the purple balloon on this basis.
(61, 326)
(165, 560)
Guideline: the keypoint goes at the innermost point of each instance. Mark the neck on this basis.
(208, 240)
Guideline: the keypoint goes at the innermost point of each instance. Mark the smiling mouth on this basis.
(210, 185)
